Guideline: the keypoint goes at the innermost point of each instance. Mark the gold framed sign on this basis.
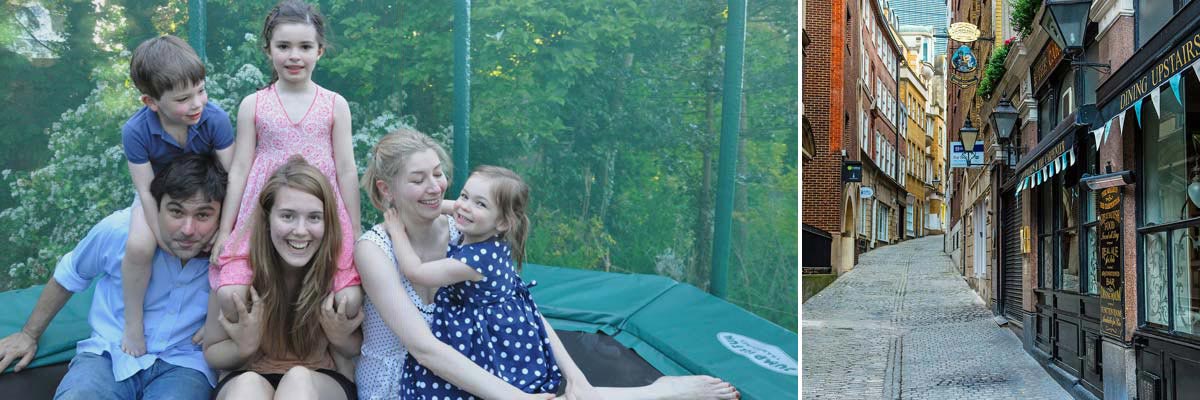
(963, 32)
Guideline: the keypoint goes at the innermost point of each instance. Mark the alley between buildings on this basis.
(904, 325)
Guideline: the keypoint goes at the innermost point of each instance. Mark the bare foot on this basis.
(133, 342)
(701, 387)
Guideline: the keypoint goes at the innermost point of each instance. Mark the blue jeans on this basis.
(90, 377)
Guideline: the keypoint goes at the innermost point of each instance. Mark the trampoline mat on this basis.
(601, 358)
(606, 362)
(32, 384)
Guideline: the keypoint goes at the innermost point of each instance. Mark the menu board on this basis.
(1108, 231)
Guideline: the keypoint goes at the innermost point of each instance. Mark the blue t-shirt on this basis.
(146, 141)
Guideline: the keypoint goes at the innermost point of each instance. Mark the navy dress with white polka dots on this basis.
(493, 322)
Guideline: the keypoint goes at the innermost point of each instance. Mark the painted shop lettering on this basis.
(1177, 59)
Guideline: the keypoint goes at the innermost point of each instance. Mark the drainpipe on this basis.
(903, 193)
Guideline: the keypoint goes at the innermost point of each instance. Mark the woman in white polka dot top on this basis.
(407, 174)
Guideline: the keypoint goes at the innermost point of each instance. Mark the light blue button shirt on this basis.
(175, 305)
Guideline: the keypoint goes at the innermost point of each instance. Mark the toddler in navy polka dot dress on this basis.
(483, 308)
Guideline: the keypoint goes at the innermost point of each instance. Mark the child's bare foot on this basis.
(134, 342)
(693, 387)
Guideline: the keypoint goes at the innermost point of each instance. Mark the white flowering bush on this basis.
(84, 180)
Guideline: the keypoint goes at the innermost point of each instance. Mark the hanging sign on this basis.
(852, 171)
(865, 192)
(964, 61)
(960, 158)
(963, 82)
(1111, 284)
(963, 32)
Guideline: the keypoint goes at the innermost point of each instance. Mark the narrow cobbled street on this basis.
(904, 325)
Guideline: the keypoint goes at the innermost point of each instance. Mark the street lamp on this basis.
(1066, 22)
(968, 134)
(1004, 117)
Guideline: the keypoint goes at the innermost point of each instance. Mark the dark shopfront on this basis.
(1166, 340)
(1064, 330)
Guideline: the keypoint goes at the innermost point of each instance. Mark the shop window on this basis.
(1152, 15)
(1170, 222)
(1069, 246)
(1046, 253)
(1046, 121)
(1088, 161)
(1091, 77)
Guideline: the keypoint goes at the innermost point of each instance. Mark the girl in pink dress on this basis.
(292, 115)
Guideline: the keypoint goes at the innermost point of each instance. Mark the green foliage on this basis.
(57, 204)
(1023, 12)
(609, 109)
(993, 72)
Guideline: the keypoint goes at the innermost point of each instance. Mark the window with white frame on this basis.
(877, 155)
(881, 222)
(865, 133)
(908, 219)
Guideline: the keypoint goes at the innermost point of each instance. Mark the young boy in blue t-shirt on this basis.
(177, 119)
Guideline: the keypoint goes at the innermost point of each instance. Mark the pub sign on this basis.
(964, 61)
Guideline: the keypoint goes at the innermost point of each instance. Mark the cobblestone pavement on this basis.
(904, 325)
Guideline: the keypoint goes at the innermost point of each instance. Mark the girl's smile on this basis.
(476, 212)
(294, 50)
(297, 224)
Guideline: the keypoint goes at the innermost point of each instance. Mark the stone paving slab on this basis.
(904, 325)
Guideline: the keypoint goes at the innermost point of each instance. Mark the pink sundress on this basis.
(278, 138)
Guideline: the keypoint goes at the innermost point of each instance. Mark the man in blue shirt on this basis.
(188, 193)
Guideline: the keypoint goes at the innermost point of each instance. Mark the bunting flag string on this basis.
(1154, 100)
(1096, 135)
(1175, 86)
(1107, 129)
(1137, 111)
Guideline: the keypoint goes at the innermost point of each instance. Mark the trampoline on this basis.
(621, 329)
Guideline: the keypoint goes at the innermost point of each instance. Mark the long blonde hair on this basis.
(293, 316)
(511, 195)
(389, 157)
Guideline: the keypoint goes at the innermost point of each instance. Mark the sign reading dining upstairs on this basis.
(1179, 58)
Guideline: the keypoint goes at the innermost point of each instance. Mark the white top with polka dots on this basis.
(381, 364)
